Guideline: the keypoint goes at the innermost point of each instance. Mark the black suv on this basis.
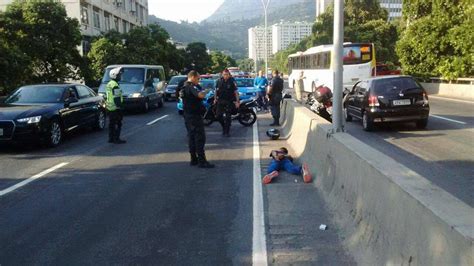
(387, 99)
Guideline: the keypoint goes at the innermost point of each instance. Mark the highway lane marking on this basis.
(450, 99)
(156, 120)
(31, 179)
(449, 119)
(259, 245)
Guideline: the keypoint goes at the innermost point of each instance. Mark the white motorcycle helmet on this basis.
(114, 73)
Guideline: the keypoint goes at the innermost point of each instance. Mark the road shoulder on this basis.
(294, 212)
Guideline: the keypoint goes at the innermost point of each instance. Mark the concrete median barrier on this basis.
(389, 215)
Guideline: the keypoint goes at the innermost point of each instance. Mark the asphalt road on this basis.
(443, 152)
(142, 204)
(138, 203)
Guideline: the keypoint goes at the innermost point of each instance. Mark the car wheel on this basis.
(347, 116)
(101, 120)
(367, 122)
(55, 134)
(421, 124)
(146, 106)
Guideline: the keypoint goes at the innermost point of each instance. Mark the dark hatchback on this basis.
(170, 89)
(387, 99)
(45, 112)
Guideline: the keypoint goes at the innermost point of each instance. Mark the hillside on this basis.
(233, 10)
(232, 35)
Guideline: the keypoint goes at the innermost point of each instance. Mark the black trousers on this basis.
(196, 134)
(115, 124)
(275, 109)
(224, 114)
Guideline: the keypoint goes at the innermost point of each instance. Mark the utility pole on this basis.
(338, 48)
(265, 4)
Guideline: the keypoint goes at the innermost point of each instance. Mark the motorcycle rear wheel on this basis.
(247, 118)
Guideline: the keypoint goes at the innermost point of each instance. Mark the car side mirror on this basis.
(70, 101)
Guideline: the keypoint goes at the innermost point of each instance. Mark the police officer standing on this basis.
(114, 106)
(275, 95)
(227, 98)
(192, 110)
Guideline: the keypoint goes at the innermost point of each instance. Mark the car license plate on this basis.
(1, 132)
(401, 102)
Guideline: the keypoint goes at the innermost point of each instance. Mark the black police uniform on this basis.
(192, 111)
(225, 92)
(276, 95)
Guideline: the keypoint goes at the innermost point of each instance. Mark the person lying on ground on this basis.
(281, 160)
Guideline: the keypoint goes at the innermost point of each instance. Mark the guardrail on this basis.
(462, 88)
(387, 214)
(466, 81)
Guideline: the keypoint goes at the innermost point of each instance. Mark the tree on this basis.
(142, 45)
(437, 39)
(41, 37)
(247, 64)
(198, 57)
(220, 61)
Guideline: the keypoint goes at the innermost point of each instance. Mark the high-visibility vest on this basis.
(114, 96)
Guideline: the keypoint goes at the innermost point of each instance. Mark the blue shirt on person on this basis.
(260, 83)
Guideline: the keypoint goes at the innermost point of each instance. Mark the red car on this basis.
(384, 70)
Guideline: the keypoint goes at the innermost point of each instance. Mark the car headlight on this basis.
(135, 95)
(30, 120)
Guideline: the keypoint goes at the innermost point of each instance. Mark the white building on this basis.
(257, 43)
(394, 7)
(285, 34)
(321, 6)
(99, 16)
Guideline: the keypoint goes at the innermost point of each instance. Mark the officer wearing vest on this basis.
(192, 96)
(114, 105)
(226, 100)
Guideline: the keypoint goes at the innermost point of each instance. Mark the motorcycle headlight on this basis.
(135, 95)
(30, 120)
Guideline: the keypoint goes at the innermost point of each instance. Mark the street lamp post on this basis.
(338, 69)
(265, 4)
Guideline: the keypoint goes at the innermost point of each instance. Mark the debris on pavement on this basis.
(323, 227)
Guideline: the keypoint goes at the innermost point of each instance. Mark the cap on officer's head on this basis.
(115, 72)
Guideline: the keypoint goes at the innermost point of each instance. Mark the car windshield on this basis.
(208, 84)
(176, 80)
(36, 94)
(131, 75)
(244, 82)
(394, 85)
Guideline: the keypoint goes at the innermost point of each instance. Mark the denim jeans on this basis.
(286, 165)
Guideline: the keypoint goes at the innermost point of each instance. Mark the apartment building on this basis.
(257, 43)
(285, 34)
(394, 7)
(99, 16)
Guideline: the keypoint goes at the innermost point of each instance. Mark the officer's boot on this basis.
(117, 137)
(194, 159)
(203, 163)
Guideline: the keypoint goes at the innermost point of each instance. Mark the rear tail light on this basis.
(425, 98)
(373, 101)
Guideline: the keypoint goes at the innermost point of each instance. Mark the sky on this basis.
(177, 10)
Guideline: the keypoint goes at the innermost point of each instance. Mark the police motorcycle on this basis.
(245, 114)
(320, 102)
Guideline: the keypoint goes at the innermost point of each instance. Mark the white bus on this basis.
(316, 65)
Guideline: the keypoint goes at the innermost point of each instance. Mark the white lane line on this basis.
(450, 99)
(259, 245)
(448, 119)
(31, 179)
(156, 120)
